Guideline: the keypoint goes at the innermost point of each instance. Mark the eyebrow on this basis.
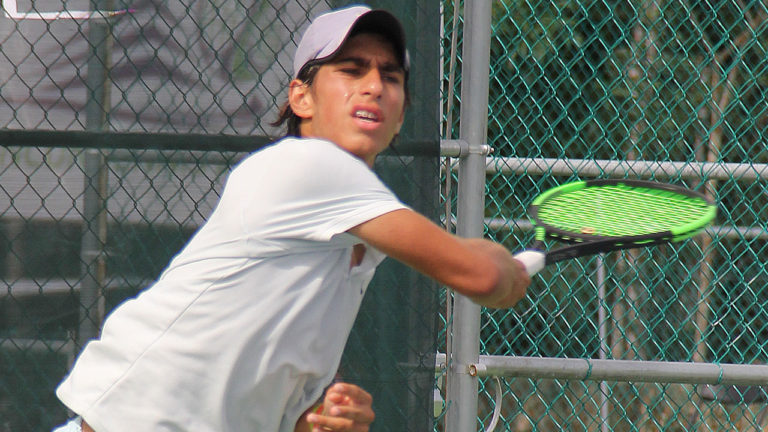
(360, 62)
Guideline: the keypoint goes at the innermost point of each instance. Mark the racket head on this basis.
(625, 213)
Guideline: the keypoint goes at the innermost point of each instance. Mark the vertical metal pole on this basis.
(463, 388)
(603, 335)
(94, 187)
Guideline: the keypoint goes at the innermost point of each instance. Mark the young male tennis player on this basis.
(245, 328)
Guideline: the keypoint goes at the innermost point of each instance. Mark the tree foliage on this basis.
(663, 80)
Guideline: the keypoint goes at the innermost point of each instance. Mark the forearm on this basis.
(510, 279)
(480, 269)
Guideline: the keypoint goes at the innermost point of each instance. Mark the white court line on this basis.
(11, 11)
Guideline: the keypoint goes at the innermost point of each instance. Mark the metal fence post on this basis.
(94, 185)
(462, 388)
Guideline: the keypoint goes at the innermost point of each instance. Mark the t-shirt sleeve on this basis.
(316, 192)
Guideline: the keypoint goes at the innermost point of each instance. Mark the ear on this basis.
(300, 99)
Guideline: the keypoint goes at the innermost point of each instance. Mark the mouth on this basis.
(366, 116)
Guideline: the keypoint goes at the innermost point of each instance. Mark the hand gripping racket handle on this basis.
(533, 260)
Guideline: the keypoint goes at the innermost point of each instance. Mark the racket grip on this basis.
(532, 260)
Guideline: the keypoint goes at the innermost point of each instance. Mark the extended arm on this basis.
(480, 269)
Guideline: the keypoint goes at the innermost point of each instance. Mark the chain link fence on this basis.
(117, 135)
(673, 91)
(119, 123)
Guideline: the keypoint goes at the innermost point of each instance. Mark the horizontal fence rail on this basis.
(639, 168)
(604, 167)
(615, 370)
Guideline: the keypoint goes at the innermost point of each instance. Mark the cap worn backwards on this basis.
(328, 32)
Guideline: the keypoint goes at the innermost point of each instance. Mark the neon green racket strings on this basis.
(620, 210)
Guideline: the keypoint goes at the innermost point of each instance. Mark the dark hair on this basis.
(307, 76)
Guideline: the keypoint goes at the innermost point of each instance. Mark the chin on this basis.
(367, 150)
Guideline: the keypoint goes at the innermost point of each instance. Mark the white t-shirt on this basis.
(246, 326)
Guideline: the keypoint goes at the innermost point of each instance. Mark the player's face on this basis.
(358, 99)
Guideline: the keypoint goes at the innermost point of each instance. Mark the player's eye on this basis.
(394, 78)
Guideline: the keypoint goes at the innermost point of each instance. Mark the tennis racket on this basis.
(598, 216)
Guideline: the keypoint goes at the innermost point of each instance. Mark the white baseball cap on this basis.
(328, 32)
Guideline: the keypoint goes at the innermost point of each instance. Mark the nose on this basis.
(372, 83)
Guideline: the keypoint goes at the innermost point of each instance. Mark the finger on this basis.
(355, 393)
(344, 417)
(358, 414)
(336, 398)
(322, 423)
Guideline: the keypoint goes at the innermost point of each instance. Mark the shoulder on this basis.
(304, 166)
(304, 153)
(313, 150)
(311, 158)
